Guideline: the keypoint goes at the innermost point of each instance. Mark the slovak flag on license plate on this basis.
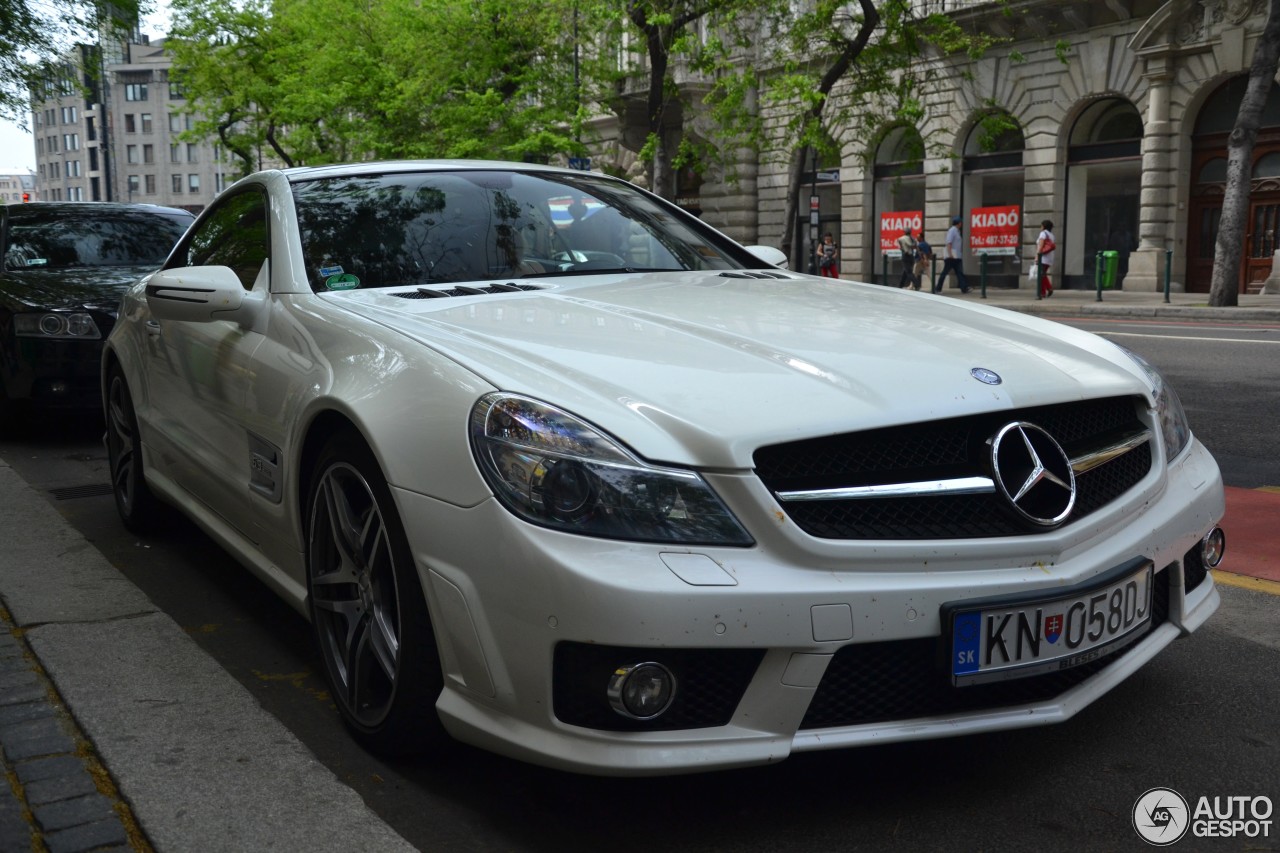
(1053, 627)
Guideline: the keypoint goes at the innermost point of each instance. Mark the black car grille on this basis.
(939, 450)
(710, 683)
(906, 679)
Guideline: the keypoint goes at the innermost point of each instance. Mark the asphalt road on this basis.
(1203, 718)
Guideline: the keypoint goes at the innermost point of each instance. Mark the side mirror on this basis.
(195, 294)
(771, 256)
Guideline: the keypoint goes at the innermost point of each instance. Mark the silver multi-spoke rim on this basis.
(354, 597)
(123, 444)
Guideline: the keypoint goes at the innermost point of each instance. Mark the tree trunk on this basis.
(792, 234)
(1225, 287)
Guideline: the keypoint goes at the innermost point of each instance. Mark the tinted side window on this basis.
(233, 235)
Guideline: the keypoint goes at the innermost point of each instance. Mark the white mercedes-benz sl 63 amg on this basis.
(555, 469)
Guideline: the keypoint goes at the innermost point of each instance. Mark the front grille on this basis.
(709, 685)
(940, 450)
(906, 679)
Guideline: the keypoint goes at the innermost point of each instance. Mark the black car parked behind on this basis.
(63, 267)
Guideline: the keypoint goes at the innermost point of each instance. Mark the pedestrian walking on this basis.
(953, 258)
(907, 246)
(1045, 249)
(828, 257)
(924, 260)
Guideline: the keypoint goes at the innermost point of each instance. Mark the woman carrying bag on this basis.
(1045, 247)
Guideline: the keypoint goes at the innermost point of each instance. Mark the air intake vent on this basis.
(755, 274)
(461, 290)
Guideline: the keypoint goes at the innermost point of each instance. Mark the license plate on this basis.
(1017, 636)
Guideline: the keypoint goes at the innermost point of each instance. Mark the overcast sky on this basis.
(18, 147)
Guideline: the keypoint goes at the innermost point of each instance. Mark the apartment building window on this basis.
(53, 144)
(39, 119)
(175, 153)
(151, 184)
(74, 194)
(69, 115)
(146, 122)
(71, 142)
(90, 131)
(176, 92)
(95, 189)
(177, 183)
(219, 183)
(148, 154)
(39, 146)
(175, 123)
(133, 186)
(131, 154)
(193, 152)
(40, 170)
(73, 168)
(51, 117)
(130, 126)
(135, 92)
(187, 121)
(93, 159)
(193, 183)
(54, 171)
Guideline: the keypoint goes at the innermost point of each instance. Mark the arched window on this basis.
(1104, 182)
(899, 179)
(993, 176)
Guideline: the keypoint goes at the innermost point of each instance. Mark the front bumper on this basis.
(505, 595)
(53, 374)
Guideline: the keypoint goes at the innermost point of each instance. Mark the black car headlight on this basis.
(550, 468)
(59, 324)
(1173, 418)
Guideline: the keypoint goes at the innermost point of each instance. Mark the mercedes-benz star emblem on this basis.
(987, 377)
(1033, 473)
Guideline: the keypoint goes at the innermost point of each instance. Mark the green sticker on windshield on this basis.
(345, 281)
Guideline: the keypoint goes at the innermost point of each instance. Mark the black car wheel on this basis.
(368, 609)
(136, 504)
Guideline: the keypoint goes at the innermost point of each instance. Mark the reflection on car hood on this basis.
(701, 369)
(88, 287)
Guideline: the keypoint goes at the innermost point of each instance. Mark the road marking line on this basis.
(1246, 582)
(1184, 338)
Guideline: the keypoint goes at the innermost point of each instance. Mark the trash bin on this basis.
(1110, 269)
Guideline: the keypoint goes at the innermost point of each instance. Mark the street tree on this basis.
(839, 73)
(36, 33)
(1224, 286)
(410, 78)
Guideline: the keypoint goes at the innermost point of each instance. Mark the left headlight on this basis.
(56, 325)
(552, 469)
(1173, 418)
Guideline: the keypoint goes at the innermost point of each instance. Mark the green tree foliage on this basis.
(320, 81)
(34, 34)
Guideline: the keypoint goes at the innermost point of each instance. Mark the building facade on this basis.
(17, 187)
(113, 132)
(1114, 115)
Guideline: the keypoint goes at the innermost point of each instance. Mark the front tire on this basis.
(138, 507)
(368, 610)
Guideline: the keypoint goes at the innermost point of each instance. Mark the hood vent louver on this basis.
(461, 290)
(755, 274)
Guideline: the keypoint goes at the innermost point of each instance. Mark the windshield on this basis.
(58, 238)
(446, 227)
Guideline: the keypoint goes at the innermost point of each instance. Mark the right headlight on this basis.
(552, 469)
(1173, 418)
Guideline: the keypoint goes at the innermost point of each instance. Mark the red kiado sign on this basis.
(995, 230)
(892, 224)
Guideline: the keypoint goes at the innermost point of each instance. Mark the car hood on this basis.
(97, 288)
(700, 368)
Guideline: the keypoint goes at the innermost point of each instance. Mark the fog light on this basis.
(642, 691)
(1212, 547)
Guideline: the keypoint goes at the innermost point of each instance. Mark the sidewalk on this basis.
(1192, 307)
(118, 733)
